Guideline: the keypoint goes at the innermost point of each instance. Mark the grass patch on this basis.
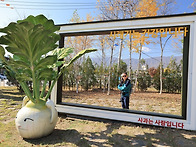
(74, 132)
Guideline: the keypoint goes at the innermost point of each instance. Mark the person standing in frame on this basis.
(125, 88)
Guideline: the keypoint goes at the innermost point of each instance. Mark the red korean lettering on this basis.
(174, 124)
(168, 123)
(150, 122)
(140, 120)
(163, 123)
(158, 122)
(145, 120)
(181, 125)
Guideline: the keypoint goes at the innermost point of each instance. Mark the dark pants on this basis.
(125, 102)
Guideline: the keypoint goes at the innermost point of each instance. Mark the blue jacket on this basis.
(125, 88)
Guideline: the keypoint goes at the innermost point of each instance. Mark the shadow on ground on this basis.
(12, 94)
(114, 136)
(85, 132)
(59, 137)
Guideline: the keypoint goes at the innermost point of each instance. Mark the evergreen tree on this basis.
(115, 77)
(144, 80)
(172, 77)
(69, 77)
(156, 79)
(101, 72)
(88, 78)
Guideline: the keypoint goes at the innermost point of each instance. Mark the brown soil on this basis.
(78, 132)
(142, 101)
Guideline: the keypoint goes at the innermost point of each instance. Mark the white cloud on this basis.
(146, 49)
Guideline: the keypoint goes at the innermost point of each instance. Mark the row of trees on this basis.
(121, 9)
(115, 9)
(90, 76)
(172, 78)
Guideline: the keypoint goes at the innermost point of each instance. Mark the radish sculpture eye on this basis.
(28, 119)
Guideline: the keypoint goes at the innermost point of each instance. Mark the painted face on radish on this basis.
(25, 124)
(33, 122)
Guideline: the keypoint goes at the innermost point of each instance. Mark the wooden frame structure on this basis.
(188, 118)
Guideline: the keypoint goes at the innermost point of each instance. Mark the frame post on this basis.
(60, 80)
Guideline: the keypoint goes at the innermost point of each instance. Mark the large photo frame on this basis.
(184, 23)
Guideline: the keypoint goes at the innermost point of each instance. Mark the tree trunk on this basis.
(103, 54)
(130, 52)
(119, 57)
(138, 68)
(161, 73)
(84, 47)
(161, 67)
(102, 63)
(161, 62)
(109, 76)
(69, 86)
(64, 81)
(104, 86)
(86, 88)
(77, 83)
(76, 76)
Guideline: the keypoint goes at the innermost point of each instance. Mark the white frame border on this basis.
(190, 122)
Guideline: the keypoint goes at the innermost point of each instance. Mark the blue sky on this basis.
(61, 12)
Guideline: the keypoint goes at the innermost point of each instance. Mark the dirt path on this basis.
(142, 101)
(80, 132)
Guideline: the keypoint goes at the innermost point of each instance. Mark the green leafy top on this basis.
(30, 41)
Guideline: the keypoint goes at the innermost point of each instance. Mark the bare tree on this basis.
(138, 67)
(165, 7)
(102, 44)
(117, 9)
(193, 5)
(78, 43)
(144, 9)
(162, 45)
(129, 44)
(112, 41)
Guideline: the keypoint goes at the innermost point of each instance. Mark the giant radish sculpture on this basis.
(32, 42)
